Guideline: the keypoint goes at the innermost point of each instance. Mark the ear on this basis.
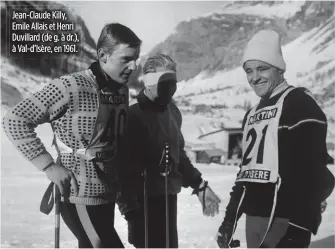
(102, 55)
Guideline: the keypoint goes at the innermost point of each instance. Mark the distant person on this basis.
(283, 180)
(154, 123)
(87, 111)
(237, 151)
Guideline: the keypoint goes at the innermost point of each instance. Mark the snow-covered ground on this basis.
(23, 225)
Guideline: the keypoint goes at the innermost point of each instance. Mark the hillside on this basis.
(23, 73)
(54, 64)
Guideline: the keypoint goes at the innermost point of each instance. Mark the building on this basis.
(220, 146)
(208, 156)
(194, 147)
(227, 140)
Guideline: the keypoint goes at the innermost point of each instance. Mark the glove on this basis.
(131, 218)
(224, 235)
(318, 221)
(208, 199)
(323, 206)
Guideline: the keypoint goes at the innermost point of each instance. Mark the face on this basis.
(120, 63)
(262, 77)
(164, 86)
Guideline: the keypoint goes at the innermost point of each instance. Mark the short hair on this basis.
(113, 34)
(157, 61)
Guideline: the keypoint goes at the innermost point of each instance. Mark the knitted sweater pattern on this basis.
(70, 103)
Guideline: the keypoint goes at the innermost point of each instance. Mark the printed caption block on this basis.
(43, 32)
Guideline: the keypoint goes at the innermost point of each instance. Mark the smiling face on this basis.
(120, 63)
(262, 77)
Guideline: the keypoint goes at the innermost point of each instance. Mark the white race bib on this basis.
(260, 144)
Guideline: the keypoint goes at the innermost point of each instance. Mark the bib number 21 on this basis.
(253, 135)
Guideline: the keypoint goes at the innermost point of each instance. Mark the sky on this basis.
(152, 21)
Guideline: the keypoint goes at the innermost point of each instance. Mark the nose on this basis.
(132, 65)
(255, 76)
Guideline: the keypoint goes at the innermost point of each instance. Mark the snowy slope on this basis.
(281, 9)
(24, 81)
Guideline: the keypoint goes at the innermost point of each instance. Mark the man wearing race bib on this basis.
(88, 113)
(283, 177)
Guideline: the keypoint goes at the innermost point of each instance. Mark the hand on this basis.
(209, 200)
(323, 206)
(63, 178)
(224, 235)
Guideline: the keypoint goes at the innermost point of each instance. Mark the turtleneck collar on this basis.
(148, 104)
(280, 88)
(103, 79)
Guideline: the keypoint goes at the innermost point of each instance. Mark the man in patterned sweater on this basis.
(88, 112)
(283, 177)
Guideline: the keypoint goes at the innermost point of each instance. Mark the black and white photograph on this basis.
(167, 124)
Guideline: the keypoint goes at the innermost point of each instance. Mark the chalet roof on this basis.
(229, 130)
(214, 152)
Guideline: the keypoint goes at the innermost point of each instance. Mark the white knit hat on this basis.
(265, 46)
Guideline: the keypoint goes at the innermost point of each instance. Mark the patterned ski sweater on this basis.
(70, 103)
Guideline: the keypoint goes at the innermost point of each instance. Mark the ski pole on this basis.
(167, 227)
(57, 216)
(145, 210)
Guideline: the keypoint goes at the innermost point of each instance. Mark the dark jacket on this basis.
(149, 127)
(306, 180)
